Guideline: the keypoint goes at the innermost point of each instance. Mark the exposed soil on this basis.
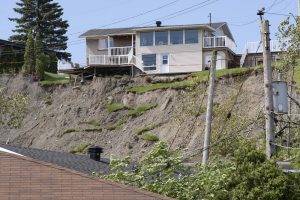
(45, 121)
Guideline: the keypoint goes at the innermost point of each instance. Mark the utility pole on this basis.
(265, 36)
(209, 108)
(298, 8)
(210, 18)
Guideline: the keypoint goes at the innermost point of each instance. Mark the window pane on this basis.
(176, 37)
(103, 44)
(191, 36)
(147, 39)
(165, 59)
(161, 38)
(149, 62)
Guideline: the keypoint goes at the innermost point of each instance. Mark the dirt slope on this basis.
(51, 111)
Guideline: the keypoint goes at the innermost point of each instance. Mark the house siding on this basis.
(23, 178)
(222, 59)
(182, 58)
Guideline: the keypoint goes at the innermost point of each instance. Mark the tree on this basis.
(40, 57)
(247, 175)
(45, 17)
(29, 58)
(11, 60)
(289, 37)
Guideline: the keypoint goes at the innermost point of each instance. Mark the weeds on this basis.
(114, 107)
(150, 137)
(197, 78)
(91, 122)
(80, 149)
(141, 110)
(118, 125)
(140, 131)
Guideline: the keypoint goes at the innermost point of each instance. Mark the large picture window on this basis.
(149, 62)
(147, 39)
(161, 38)
(191, 36)
(176, 37)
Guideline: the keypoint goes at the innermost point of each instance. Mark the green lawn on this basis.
(54, 79)
(196, 78)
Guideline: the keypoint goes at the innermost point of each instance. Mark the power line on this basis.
(196, 117)
(172, 15)
(285, 147)
(279, 14)
(132, 17)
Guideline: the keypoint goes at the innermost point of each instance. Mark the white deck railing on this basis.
(109, 60)
(256, 47)
(114, 51)
(218, 41)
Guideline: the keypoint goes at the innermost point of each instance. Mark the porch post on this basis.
(132, 41)
(108, 45)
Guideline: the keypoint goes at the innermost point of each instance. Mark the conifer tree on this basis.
(40, 57)
(45, 17)
(29, 58)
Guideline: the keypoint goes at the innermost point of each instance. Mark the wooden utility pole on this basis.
(209, 108)
(298, 8)
(265, 36)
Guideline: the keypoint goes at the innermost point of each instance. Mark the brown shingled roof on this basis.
(27, 178)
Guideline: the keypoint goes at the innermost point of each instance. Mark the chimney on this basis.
(95, 153)
(158, 23)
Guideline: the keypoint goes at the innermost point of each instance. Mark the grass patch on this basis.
(118, 125)
(70, 130)
(91, 122)
(114, 107)
(129, 145)
(141, 110)
(150, 137)
(92, 130)
(54, 79)
(142, 130)
(48, 100)
(80, 149)
(197, 78)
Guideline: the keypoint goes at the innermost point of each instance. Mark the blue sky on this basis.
(88, 14)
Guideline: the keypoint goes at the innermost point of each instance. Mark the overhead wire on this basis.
(195, 118)
(176, 14)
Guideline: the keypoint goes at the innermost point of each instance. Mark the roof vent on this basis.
(158, 23)
(95, 153)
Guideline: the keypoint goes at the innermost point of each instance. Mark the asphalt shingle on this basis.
(80, 163)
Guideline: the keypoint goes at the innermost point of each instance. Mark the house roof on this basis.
(80, 163)
(110, 31)
(34, 179)
(133, 30)
(9, 43)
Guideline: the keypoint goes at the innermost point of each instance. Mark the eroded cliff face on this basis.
(64, 118)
